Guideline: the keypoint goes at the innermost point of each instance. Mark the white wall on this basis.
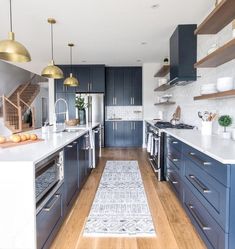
(183, 95)
(37, 104)
(149, 83)
(11, 76)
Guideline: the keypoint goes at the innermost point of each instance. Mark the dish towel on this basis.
(149, 142)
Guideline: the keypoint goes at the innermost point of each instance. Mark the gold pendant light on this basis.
(71, 81)
(52, 71)
(11, 50)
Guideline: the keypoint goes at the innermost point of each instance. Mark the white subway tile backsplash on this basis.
(124, 112)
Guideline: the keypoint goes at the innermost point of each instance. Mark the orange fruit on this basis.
(33, 137)
(15, 138)
(2, 139)
(23, 137)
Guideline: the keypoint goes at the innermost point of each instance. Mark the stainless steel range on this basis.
(155, 144)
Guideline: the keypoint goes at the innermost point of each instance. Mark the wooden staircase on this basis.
(17, 104)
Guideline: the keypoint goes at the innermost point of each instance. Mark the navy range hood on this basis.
(183, 55)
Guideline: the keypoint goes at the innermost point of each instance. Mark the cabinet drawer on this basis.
(175, 156)
(211, 192)
(49, 218)
(173, 142)
(174, 180)
(212, 234)
(208, 164)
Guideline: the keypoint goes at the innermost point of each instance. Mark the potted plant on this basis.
(81, 106)
(225, 121)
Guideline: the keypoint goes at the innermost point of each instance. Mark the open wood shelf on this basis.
(163, 71)
(220, 56)
(221, 16)
(225, 94)
(165, 103)
(163, 88)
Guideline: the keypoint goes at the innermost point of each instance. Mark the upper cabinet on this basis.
(123, 86)
(91, 78)
(183, 55)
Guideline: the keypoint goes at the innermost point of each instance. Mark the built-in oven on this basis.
(48, 173)
(155, 148)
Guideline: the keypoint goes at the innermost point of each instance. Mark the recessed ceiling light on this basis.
(143, 43)
(84, 61)
(139, 60)
(155, 6)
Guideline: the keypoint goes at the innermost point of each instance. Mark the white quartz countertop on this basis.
(52, 142)
(222, 150)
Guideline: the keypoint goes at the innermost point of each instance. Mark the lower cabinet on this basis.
(49, 219)
(83, 156)
(76, 171)
(204, 187)
(123, 133)
(71, 164)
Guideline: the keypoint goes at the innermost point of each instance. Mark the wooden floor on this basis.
(174, 230)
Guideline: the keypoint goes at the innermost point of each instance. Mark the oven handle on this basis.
(48, 209)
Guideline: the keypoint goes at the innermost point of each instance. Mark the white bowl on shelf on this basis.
(224, 84)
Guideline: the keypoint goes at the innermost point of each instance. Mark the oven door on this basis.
(47, 176)
(155, 152)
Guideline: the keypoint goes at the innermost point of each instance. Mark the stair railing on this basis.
(12, 114)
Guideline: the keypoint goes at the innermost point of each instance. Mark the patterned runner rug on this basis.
(120, 207)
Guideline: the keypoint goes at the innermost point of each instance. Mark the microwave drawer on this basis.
(212, 234)
(48, 220)
(211, 192)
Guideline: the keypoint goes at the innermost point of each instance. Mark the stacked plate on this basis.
(208, 89)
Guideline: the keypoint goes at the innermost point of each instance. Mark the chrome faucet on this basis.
(66, 113)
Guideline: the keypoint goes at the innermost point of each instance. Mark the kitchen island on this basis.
(17, 185)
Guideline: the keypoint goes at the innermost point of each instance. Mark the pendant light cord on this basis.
(52, 43)
(71, 59)
(10, 17)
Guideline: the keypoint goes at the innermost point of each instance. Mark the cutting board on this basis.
(10, 144)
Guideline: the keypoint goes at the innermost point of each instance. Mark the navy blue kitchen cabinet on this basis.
(123, 133)
(70, 173)
(49, 219)
(91, 78)
(133, 86)
(83, 157)
(206, 189)
(114, 86)
(123, 86)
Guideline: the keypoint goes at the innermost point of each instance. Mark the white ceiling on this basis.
(104, 31)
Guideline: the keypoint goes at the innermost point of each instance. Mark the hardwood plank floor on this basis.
(173, 228)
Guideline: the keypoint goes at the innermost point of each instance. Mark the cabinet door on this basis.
(70, 172)
(118, 134)
(137, 86)
(119, 86)
(82, 163)
(128, 88)
(97, 84)
(138, 133)
(83, 76)
(70, 98)
(109, 93)
(109, 134)
(127, 134)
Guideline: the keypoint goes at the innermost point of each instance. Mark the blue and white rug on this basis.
(120, 207)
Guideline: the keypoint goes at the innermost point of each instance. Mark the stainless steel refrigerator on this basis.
(95, 109)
